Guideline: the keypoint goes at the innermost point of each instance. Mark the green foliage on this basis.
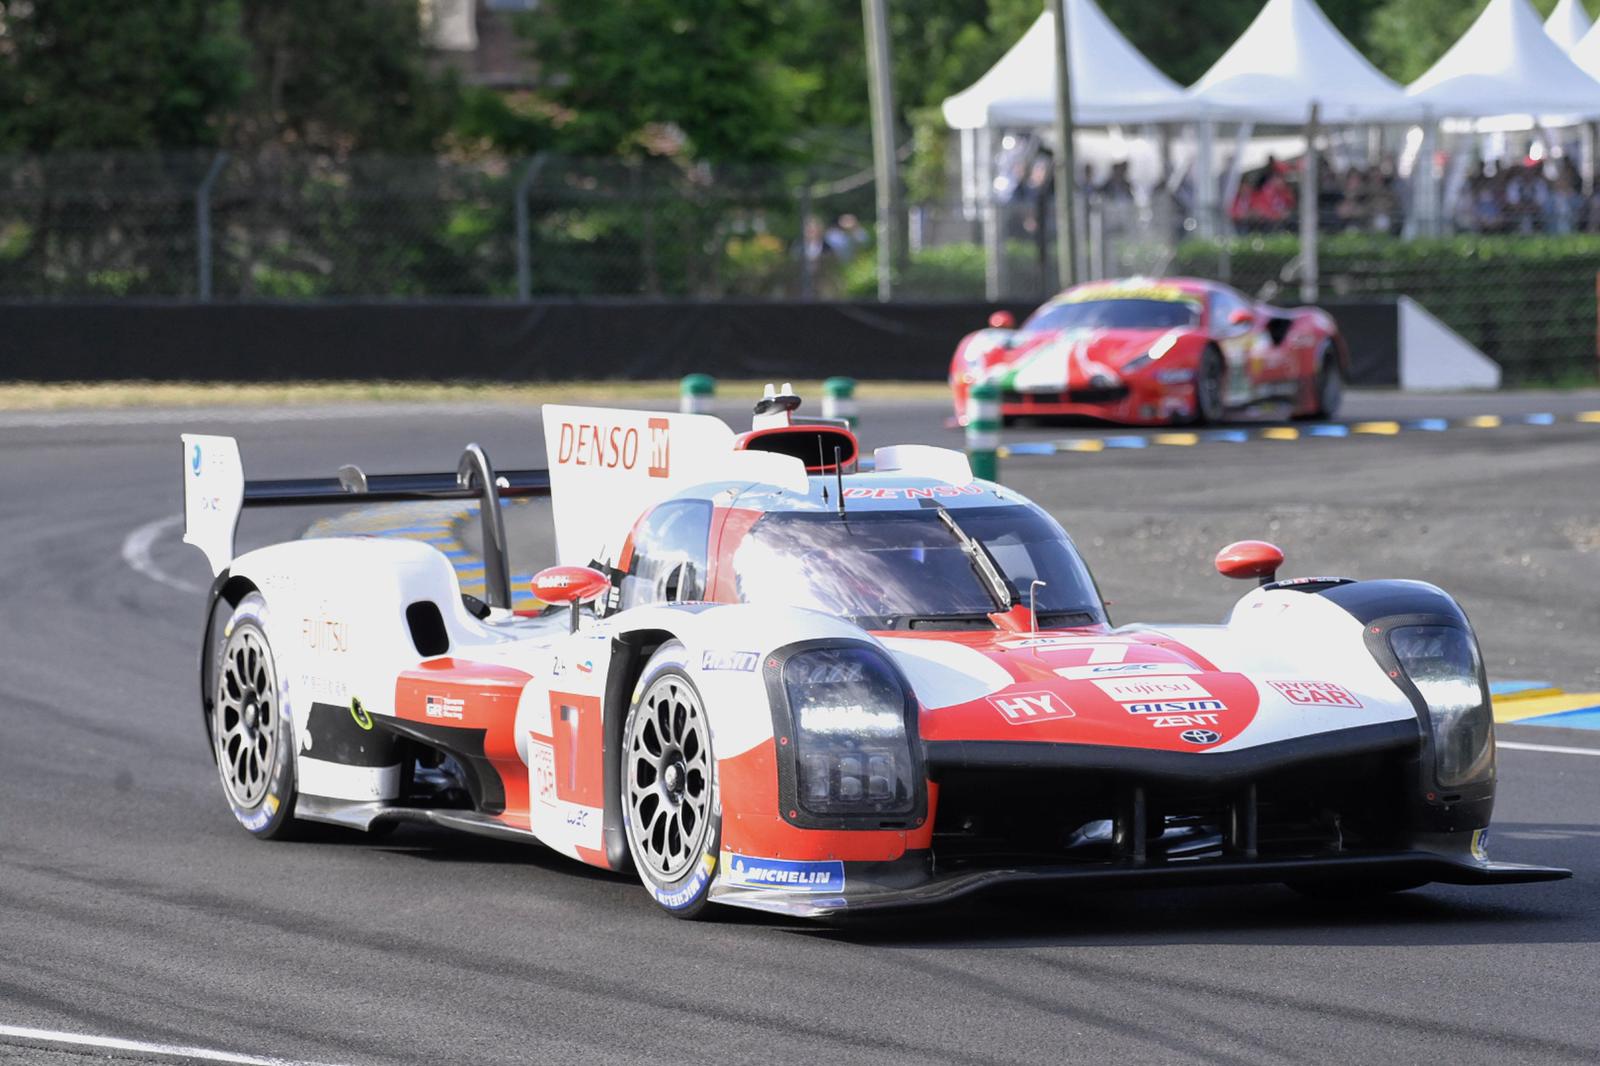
(1527, 302)
(86, 74)
(622, 72)
(945, 272)
(340, 77)
(1408, 36)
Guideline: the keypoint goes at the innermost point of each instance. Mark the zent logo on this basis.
(1179, 721)
(1200, 736)
(1025, 708)
(194, 461)
(660, 447)
(1316, 693)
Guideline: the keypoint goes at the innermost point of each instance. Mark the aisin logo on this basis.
(1200, 736)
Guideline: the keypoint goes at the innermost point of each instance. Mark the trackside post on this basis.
(983, 430)
(839, 400)
(695, 394)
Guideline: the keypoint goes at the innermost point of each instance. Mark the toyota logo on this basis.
(1201, 736)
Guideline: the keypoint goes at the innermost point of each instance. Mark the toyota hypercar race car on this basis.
(1155, 351)
(767, 678)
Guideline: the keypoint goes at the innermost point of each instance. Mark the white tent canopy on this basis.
(1504, 64)
(1290, 57)
(1111, 81)
(1567, 24)
(1586, 53)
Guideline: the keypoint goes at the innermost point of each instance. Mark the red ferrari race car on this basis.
(1155, 351)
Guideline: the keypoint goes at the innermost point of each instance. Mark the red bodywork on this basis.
(1268, 353)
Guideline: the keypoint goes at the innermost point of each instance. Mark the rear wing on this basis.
(215, 491)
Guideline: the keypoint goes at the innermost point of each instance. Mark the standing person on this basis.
(1038, 192)
(1352, 210)
(1272, 201)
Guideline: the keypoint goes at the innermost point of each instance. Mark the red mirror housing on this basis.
(1241, 316)
(569, 584)
(1003, 320)
(1245, 559)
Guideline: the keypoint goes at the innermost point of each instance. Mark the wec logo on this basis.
(1025, 708)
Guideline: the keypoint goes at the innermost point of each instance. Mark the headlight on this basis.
(1442, 663)
(1157, 350)
(852, 754)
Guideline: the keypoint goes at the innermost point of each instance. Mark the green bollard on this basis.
(695, 394)
(839, 400)
(983, 430)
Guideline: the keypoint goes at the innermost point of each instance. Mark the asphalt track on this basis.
(131, 905)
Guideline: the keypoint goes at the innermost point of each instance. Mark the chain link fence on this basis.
(282, 226)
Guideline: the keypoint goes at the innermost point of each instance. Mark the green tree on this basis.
(1184, 40)
(352, 75)
(1408, 36)
(619, 74)
(85, 74)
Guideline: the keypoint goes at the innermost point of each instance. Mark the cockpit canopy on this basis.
(896, 568)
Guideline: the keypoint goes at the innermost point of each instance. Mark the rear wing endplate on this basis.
(215, 491)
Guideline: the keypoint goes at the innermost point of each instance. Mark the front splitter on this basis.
(1420, 866)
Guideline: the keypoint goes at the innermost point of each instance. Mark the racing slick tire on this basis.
(1208, 403)
(671, 809)
(1327, 387)
(251, 737)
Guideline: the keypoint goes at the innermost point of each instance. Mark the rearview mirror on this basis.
(1245, 559)
(569, 584)
(1003, 320)
(1241, 316)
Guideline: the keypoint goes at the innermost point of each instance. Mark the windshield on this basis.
(1116, 314)
(898, 569)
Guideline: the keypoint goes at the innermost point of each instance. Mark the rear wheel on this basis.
(1328, 387)
(250, 735)
(1208, 405)
(672, 814)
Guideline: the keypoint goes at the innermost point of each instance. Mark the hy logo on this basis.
(194, 461)
(1025, 708)
(660, 447)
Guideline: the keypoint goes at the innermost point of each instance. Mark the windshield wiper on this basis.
(983, 564)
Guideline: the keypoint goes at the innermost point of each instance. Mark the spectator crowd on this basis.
(1531, 196)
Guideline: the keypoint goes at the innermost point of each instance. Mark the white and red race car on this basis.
(765, 681)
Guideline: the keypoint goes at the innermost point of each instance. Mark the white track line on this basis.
(111, 1043)
(1547, 747)
(136, 553)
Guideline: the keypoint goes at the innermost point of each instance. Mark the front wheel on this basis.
(250, 735)
(672, 814)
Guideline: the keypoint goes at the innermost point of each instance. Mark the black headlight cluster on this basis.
(844, 716)
(1441, 662)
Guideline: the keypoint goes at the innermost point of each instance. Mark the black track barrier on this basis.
(550, 340)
